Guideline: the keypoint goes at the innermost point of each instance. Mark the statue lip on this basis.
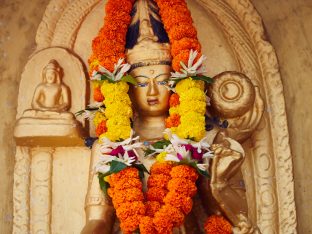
(152, 101)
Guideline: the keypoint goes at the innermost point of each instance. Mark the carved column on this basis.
(21, 190)
(41, 196)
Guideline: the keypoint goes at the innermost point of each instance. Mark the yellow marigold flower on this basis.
(188, 83)
(117, 120)
(118, 109)
(98, 118)
(193, 94)
(119, 87)
(192, 106)
(192, 126)
(161, 157)
(118, 133)
(117, 97)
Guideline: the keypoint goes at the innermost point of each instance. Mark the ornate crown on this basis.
(147, 41)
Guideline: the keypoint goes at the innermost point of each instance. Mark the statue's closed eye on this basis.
(145, 84)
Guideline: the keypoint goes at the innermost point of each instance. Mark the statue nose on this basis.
(152, 88)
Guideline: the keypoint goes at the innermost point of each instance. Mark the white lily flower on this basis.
(191, 69)
(119, 71)
(102, 165)
(88, 114)
(95, 105)
(202, 167)
(126, 159)
(107, 145)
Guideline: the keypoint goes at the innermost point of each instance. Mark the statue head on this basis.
(52, 73)
(148, 52)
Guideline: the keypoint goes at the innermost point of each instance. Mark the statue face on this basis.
(151, 97)
(50, 76)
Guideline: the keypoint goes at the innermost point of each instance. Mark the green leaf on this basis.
(161, 144)
(141, 167)
(116, 166)
(103, 184)
(207, 79)
(129, 79)
(148, 151)
(203, 173)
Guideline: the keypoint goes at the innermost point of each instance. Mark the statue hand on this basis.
(226, 161)
(96, 226)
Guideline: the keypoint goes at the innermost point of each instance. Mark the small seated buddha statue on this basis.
(51, 97)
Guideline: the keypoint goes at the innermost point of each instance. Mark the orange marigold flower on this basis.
(180, 201)
(130, 209)
(159, 181)
(174, 100)
(184, 171)
(110, 192)
(101, 128)
(97, 95)
(146, 226)
(161, 168)
(156, 194)
(173, 121)
(182, 186)
(129, 172)
(216, 224)
(182, 30)
(162, 223)
(184, 44)
(121, 5)
(102, 45)
(125, 183)
(164, 4)
(175, 15)
(127, 195)
(130, 224)
(172, 214)
(152, 207)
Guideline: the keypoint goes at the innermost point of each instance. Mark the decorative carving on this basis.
(49, 123)
(51, 94)
(235, 98)
(41, 196)
(21, 190)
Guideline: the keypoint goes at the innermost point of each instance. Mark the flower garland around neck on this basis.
(183, 154)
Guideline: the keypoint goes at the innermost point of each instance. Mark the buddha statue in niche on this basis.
(148, 52)
(51, 97)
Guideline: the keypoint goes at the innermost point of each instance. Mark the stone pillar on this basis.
(41, 196)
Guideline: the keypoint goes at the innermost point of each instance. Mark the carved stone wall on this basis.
(290, 38)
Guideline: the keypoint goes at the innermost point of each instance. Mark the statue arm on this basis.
(35, 104)
(100, 213)
(65, 98)
(229, 156)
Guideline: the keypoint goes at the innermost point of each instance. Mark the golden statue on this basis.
(150, 65)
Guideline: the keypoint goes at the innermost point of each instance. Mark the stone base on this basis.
(48, 132)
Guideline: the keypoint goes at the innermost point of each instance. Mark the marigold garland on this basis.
(178, 23)
(170, 187)
(127, 197)
(216, 224)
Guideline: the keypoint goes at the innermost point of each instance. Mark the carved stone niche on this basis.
(233, 39)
